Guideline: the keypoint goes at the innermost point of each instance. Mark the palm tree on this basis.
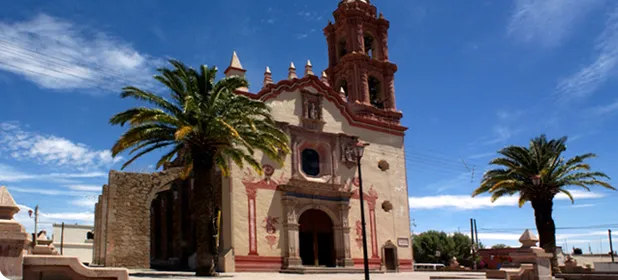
(205, 125)
(538, 173)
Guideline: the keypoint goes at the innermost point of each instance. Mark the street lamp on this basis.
(359, 150)
(36, 222)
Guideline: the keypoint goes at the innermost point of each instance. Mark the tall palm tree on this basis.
(538, 173)
(205, 124)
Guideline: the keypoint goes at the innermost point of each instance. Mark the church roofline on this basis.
(273, 90)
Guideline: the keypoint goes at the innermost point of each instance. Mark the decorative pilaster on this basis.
(389, 86)
(364, 90)
(371, 199)
(344, 257)
(291, 228)
(383, 31)
(251, 197)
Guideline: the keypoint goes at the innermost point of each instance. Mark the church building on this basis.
(304, 215)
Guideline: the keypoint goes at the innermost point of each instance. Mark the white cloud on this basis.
(47, 219)
(604, 110)
(592, 76)
(51, 150)
(467, 202)
(58, 54)
(582, 205)
(89, 188)
(454, 183)
(53, 192)
(86, 202)
(547, 22)
(9, 174)
(509, 115)
(482, 155)
(500, 133)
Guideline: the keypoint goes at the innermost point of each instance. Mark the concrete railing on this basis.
(42, 267)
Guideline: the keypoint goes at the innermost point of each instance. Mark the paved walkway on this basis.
(152, 275)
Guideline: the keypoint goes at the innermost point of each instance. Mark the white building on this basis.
(74, 240)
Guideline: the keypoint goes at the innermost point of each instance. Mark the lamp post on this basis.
(358, 152)
(36, 222)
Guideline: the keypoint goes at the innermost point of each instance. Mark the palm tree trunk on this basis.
(204, 206)
(547, 229)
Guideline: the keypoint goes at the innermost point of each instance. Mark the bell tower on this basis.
(358, 57)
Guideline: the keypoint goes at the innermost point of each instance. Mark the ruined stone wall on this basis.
(124, 218)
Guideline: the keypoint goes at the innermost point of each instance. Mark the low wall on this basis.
(606, 267)
(45, 267)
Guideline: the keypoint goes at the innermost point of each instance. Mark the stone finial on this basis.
(235, 68)
(381, 16)
(268, 77)
(235, 62)
(292, 72)
(8, 207)
(309, 68)
(528, 239)
(324, 78)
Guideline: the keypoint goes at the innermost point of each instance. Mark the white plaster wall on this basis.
(390, 185)
(75, 243)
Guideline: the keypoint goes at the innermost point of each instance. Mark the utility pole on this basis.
(611, 247)
(476, 234)
(472, 239)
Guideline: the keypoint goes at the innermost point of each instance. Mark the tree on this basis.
(427, 244)
(538, 173)
(205, 125)
(500, 246)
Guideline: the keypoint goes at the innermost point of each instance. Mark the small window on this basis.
(310, 160)
(374, 93)
(369, 45)
(90, 235)
(342, 48)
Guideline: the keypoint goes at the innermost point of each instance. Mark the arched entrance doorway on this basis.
(172, 241)
(316, 239)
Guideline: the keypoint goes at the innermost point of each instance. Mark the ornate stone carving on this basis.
(270, 224)
(291, 216)
(347, 150)
(383, 165)
(312, 111)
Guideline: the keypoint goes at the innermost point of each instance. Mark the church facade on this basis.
(304, 214)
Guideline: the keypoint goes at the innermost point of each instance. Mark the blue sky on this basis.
(473, 77)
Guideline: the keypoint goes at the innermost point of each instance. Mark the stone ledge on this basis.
(56, 267)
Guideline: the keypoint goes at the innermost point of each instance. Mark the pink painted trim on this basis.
(273, 90)
(252, 227)
(258, 263)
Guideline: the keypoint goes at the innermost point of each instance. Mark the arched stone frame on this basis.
(373, 44)
(390, 245)
(324, 150)
(337, 211)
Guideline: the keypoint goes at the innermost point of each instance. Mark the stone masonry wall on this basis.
(125, 217)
